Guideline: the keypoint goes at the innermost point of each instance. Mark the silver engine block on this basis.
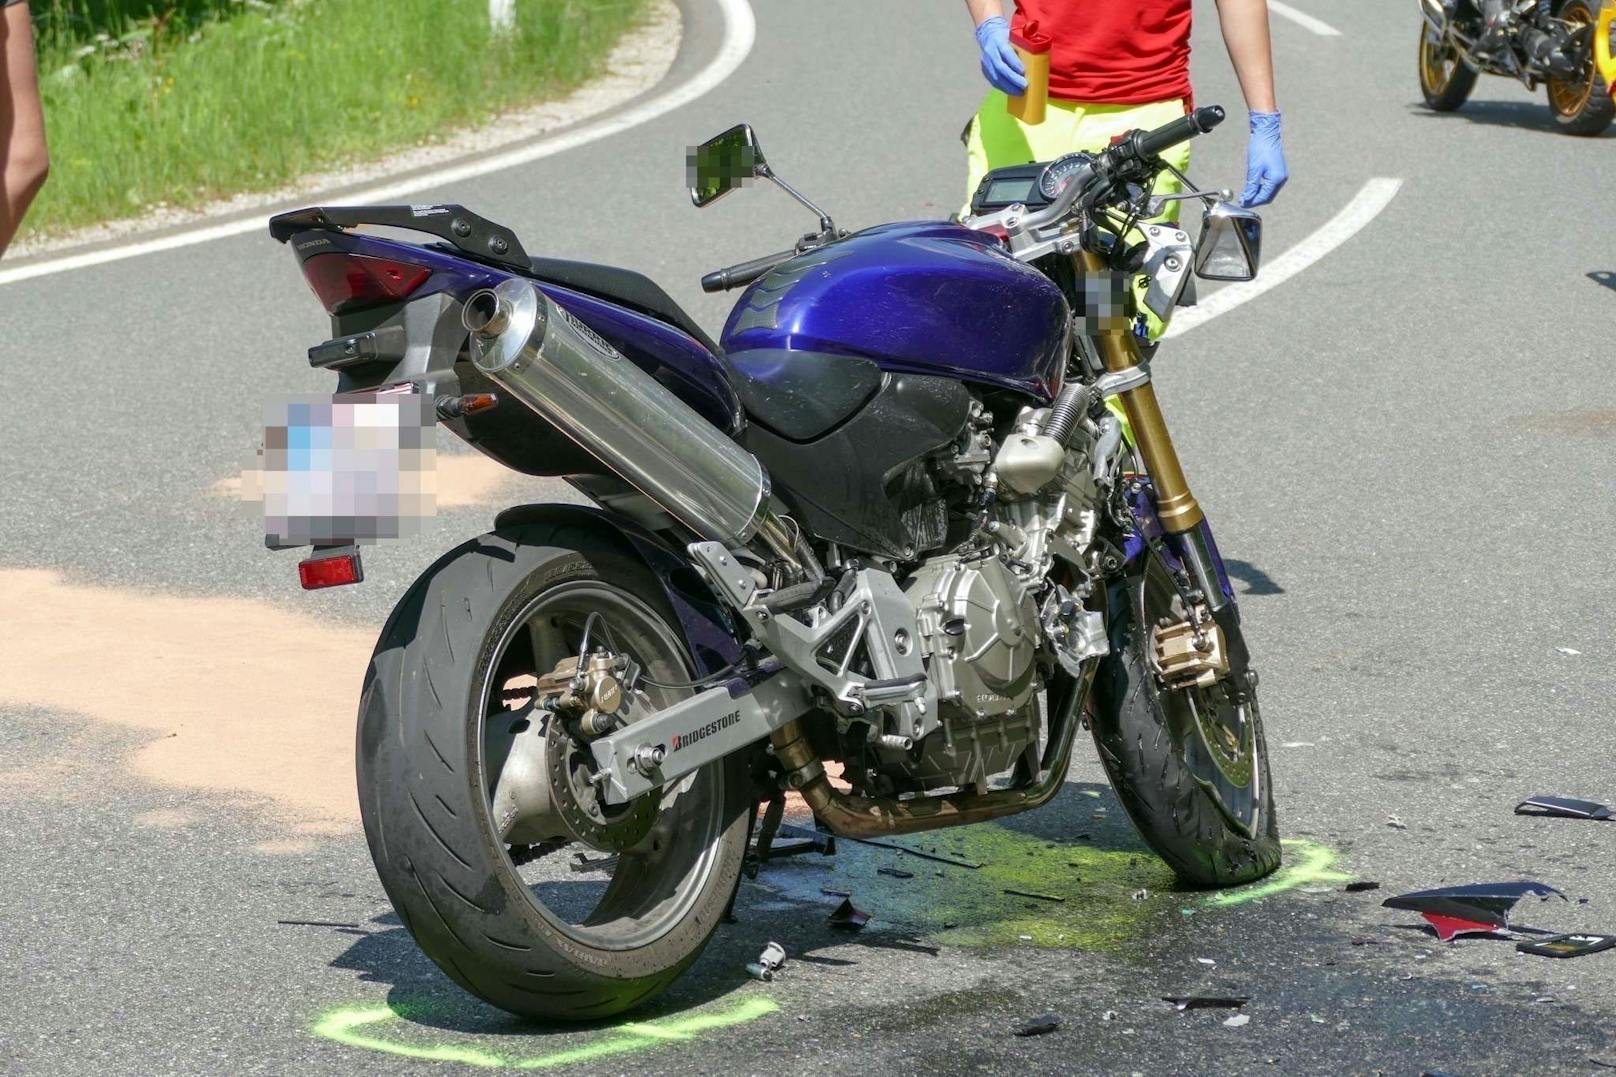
(978, 624)
(984, 615)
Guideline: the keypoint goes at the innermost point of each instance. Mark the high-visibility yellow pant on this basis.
(997, 139)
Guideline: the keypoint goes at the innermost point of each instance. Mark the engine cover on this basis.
(979, 630)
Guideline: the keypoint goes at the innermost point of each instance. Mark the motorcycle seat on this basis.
(624, 287)
(798, 395)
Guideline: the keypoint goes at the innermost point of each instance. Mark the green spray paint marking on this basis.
(1307, 863)
(347, 1025)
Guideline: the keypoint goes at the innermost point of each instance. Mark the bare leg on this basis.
(23, 159)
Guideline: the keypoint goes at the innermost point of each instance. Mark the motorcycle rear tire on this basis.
(1444, 90)
(424, 793)
(1583, 106)
(1143, 751)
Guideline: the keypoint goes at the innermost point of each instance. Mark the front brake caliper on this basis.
(1190, 655)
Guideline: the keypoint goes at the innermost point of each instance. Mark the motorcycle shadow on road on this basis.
(1523, 115)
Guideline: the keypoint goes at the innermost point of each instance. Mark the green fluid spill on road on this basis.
(359, 1026)
(1307, 863)
(1107, 896)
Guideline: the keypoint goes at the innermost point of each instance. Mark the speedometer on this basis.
(1059, 172)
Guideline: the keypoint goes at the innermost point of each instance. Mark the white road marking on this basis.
(1303, 19)
(1365, 206)
(740, 30)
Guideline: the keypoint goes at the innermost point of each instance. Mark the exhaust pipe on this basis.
(850, 816)
(562, 369)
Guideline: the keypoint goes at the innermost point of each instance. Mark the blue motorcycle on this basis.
(885, 545)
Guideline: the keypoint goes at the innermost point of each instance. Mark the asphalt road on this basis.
(1407, 448)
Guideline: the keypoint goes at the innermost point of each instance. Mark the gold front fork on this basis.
(1176, 507)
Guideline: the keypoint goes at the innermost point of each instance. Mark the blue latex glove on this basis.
(1000, 64)
(1265, 160)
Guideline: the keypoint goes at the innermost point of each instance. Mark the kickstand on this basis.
(772, 818)
(751, 825)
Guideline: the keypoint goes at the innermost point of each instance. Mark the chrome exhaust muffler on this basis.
(560, 368)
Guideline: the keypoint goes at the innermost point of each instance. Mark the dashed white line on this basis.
(1365, 206)
(740, 31)
(1303, 19)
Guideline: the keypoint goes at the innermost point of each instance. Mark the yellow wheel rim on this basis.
(1437, 63)
(1603, 57)
(1569, 97)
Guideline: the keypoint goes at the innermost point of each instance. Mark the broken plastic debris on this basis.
(1206, 961)
(1207, 1002)
(768, 962)
(1141, 894)
(1395, 823)
(1034, 894)
(1576, 945)
(1109, 1015)
(830, 892)
(1237, 1020)
(1479, 908)
(1360, 886)
(1562, 807)
(933, 855)
(1298, 744)
(1041, 1025)
(1567, 651)
(848, 917)
(1095, 793)
(896, 873)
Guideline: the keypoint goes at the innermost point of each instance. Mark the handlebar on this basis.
(721, 280)
(1136, 149)
(1202, 120)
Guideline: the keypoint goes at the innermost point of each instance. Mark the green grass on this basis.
(176, 102)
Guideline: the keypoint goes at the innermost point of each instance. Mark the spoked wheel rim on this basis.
(1217, 732)
(612, 899)
(1438, 61)
(1568, 97)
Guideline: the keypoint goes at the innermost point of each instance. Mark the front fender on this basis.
(1140, 497)
(708, 627)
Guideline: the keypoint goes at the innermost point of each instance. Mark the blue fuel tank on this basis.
(924, 297)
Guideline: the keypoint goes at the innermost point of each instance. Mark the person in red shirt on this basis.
(1116, 65)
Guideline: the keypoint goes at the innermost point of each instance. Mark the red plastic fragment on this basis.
(1447, 927)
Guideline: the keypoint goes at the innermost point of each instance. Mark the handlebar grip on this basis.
(721, 280)
(1164, 138)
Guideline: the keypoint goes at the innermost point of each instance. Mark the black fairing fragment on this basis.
(1563, 807)
(1476, 903)
(841, 486)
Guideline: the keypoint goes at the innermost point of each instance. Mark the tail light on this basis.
(346, 281)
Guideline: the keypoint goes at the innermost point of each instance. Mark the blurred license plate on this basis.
(348, 468)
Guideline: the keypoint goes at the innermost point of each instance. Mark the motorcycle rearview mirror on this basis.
(1230, 247)
(730, 160)
(723, 163)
